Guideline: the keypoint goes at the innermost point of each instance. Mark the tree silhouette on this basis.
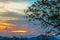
(6, 38)
(23, 39)
(44, 37)
(15, 38)
(45, 11)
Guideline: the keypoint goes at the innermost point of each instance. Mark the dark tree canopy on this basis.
(46, 11)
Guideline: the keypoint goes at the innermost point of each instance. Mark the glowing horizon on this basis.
(19, 31)
(13, 19)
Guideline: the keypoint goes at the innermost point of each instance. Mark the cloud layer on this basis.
(15, 0)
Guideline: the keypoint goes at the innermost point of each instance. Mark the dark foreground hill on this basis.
(43, 37)
(40, 37)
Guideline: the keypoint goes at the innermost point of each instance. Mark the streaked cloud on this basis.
(8, 18)
(15, 0)
(4, 24)
(2, 30)
(17, 7)
(19, 31)
(11, 20)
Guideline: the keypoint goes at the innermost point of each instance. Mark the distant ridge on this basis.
(43, 37)
(40, 37)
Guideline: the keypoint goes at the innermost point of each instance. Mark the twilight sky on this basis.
(14, 5)
(13, 21)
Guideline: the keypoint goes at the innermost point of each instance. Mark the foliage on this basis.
(45, 11)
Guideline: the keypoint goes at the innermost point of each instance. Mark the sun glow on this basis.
(11, 7)
(6, 25)
(19, 31)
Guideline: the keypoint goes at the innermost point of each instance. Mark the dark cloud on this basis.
(11, 14)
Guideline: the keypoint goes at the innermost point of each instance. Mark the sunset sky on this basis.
(13, 21)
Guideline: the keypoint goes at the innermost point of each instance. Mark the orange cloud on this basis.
(2, 21)
(4, 24)
(2, 27)
(8, 25)
(19, 31)
(2, 30)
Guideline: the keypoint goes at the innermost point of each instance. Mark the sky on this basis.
(13, 21)
(17, 6)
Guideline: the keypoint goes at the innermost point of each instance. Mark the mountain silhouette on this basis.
(43, 37)
(40, 37)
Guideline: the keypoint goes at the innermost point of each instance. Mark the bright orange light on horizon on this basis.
(19, 31)
(4, 24)
(2, 27)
